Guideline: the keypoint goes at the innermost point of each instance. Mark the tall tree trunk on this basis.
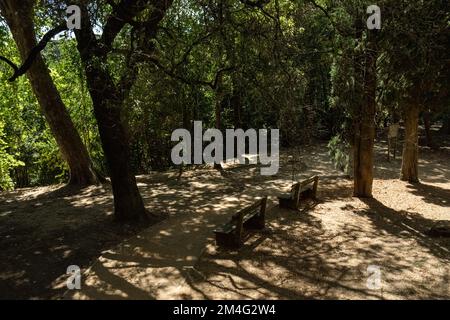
(128, 204)
(410, 148)
(365, 127)
(108, 102)
(19, 17)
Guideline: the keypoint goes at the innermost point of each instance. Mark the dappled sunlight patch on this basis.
(302, 258)
(321, 251)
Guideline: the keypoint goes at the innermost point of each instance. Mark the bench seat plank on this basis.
(299, 190)
(230, 226)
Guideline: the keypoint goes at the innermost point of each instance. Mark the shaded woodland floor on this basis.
(321, 252)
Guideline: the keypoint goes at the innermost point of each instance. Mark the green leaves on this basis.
(7, 163)
(339, 150)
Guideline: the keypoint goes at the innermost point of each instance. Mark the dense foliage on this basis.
(283, 64)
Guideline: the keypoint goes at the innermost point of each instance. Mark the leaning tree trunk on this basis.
(19, 17)
(410, 156)
(128, 204)
(365, 128)
(108, 108)
(108, 103)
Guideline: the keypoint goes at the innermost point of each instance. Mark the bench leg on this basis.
(238, 234)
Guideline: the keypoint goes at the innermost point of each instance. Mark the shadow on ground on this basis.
(320, 253)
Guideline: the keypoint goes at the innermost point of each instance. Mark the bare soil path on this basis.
(321, 252)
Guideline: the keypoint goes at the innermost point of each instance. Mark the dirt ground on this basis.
(44, 230)
(321, 252)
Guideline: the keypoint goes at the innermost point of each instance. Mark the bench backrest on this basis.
(309, 180)
(297, 188)
(238, 218)
(257, 205)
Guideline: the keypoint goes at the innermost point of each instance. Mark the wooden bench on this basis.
(251, 217)
(300, 190)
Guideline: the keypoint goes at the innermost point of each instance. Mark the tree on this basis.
(364, 121)
(19, 17)
(415, 67)
(410, 156)
(108, 96)
(355, 86)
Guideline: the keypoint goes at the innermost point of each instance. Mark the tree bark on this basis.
(410, 148)
(108, 101)
(19, 17)
(108, 97)
(365, 127)
(108, 107)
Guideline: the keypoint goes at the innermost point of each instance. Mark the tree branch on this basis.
(19, 71)
(171, 73)
(147, 32)
(328, 16)
(259, 4)
(125, 12)
(10, 63)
